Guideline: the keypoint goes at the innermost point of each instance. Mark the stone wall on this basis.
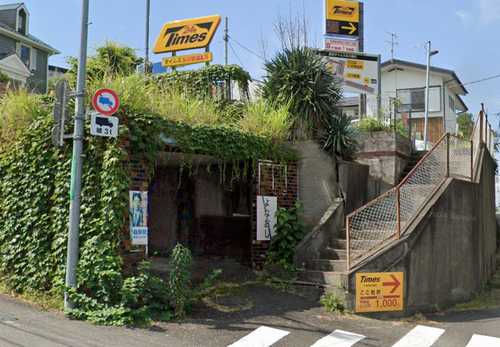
(272, 180)
(387, 154)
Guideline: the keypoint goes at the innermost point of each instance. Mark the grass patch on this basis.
(489, 298)
(47, 301)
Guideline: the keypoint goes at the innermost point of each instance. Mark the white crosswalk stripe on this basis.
(261, 337)
(483, 341)
(339, 338)
(420, 336)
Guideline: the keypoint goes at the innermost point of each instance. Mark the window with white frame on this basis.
(413, 99)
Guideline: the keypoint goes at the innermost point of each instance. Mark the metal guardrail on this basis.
(388, 217)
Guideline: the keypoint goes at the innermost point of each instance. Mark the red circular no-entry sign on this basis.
(106, 102)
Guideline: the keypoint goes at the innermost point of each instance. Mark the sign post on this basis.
(76, 162)
(379, 292)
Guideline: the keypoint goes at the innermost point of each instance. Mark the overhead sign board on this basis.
(342, 11)
(106, 102)
(342, 28)
(379, 292)
(186, 34)
(358, 72)
(341, 45)
(104, 126)
(182, 60)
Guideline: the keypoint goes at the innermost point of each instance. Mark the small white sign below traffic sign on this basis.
(104, 126)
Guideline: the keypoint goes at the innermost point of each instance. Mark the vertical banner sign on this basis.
(139, 217)
(379, 292)
(266, 217)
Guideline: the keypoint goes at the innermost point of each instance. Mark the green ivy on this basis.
(202, 82)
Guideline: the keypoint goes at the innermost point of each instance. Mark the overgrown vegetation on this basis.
(34, 188)
(465, 122)
(340, 137)
(289, 232)
(299, 78)
(371, 125)
(332, 303)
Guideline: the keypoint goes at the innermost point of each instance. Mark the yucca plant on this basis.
(299, 78)
(340, 136)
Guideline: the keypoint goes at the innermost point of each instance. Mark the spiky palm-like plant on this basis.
(299, 78)
(339, 138)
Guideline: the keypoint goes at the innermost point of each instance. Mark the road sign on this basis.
(338, 44)
(342, 28)
(358, 72)
(379, 292)
(60, 112)
(106, 102)
(182, 60)
(186, 34)
(104, 126)
(342, 10)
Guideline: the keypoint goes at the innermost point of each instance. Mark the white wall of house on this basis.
(407, 78)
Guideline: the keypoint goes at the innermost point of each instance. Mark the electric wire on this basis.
(246, 48)
(235, 54)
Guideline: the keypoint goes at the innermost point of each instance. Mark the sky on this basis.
(466, 32)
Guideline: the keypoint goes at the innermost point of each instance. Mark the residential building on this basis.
(56, 71)
(403, 98)
(23, 57)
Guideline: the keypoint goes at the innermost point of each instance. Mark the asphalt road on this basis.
(285, 319)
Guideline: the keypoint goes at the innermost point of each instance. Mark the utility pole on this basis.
(148, 15)
(430, 53)
(226, 42)
(393, 42)
(76, 162)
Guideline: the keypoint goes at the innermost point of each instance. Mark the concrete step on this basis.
(357, 245)
(327, 265)
(337, 254)
(336, 279)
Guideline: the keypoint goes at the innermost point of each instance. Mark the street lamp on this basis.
(430, 53)
(146, 58)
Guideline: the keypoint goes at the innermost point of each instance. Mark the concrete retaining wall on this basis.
(387, 154)
(449, 253)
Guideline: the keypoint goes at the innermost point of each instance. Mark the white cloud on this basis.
(489, 11)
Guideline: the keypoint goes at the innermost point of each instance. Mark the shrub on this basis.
(289, 232)
(299, 79)
(179, 279)
(340, 136)
(332, 303)
(265, 120)
(370, 125)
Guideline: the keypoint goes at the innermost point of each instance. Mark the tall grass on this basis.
(141, 95)
(18, 108)
(262, 119)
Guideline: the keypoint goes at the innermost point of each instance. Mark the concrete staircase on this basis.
(414, 159)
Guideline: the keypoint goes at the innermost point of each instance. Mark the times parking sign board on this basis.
(104, 126)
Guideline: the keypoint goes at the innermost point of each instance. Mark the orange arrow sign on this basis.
(350, 27)
(396, 284)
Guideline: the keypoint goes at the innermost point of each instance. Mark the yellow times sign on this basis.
(186, 34)
(379, 292)
(189, 59)
(342, 10)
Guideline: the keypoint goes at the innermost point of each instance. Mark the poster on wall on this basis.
(266, 217)
(139, 217)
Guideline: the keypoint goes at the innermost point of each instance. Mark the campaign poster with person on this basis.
(139, 217)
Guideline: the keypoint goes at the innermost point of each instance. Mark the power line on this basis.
(236, 54)
(475, 82)
(247, 49)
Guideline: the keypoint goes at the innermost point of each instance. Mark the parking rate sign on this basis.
(106, 102)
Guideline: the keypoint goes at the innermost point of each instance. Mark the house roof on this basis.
(453, 76)
(29, 39)
(13, 6)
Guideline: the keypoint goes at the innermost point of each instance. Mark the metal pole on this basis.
(148, 14)
(448, 139)
(379, 89)
(226, 42)
(427, 78)
(398, 213)
(76, 163)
